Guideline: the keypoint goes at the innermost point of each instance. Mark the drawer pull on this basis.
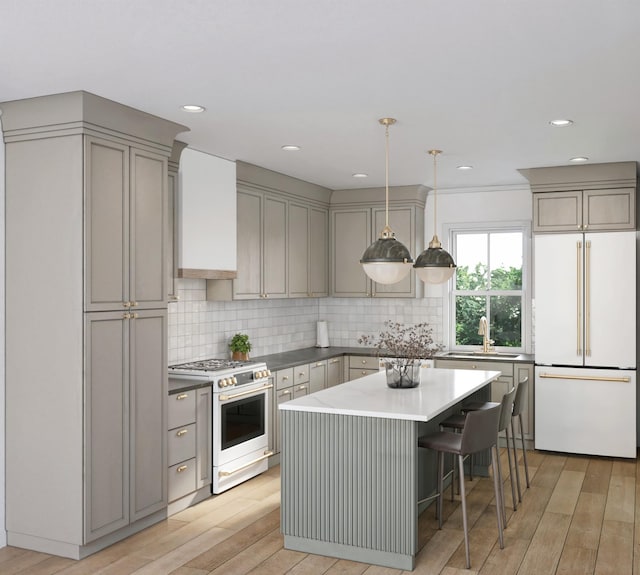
(243, 467)
(181, 468)
(286, 392)
(318, 364)
(285, 377)
(302, 387)
(364, 362)
(182, 432)
(182, 396)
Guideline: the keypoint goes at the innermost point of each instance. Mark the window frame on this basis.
(522, 226)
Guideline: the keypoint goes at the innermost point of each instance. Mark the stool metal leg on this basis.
(524, 451)
(495, 461)
(501, 484)
(511, 474)
(440, 487)
(463, 497)
(515, 460)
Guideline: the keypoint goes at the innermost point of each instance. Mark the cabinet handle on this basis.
(241, 468)
(181, 468)
(135, 316)
(285, 377)
(126, 303)
(302, 387)
(578, 297)
(319, 364)
(182, 396)
(134, 304)
(286, 392)
(363, 372)
(173, 297)
(334, 361)
(302, 374)
(182, 432)
(126, 316)
(364, 361)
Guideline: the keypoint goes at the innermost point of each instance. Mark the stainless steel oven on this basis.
(241, 418)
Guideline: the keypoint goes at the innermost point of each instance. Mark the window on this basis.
(489, 282)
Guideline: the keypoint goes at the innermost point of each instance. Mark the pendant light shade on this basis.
(434, 265)
(387, 260)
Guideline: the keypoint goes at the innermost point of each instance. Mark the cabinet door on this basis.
(612, 209)
(557, 211)
(299, 262)
(334, 371)
(317, 376)
(203, 437)
(148, 412)
(401, 221)
(248, 284)
(274, 265)
(148, 245)
(282, 395)
(318, 263)
(351, 236)
(107, 225)
(106, 424)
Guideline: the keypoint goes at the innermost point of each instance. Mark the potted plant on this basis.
(405, 346)
(240, 347)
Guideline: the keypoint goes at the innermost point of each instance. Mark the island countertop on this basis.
(370, 396)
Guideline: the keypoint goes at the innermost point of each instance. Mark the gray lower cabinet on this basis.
(317, 376)
(361, 365)
(512, 373)
(335, 371)
(125, 445)
(189, 442)
(584, 210)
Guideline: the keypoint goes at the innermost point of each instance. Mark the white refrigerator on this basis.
(585, 343)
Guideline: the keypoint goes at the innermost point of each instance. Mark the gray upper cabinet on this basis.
(590, 197)
(126, 199)
(86, 207)
(588, 210)
(354, 228)
(308, 250)
(262, 246)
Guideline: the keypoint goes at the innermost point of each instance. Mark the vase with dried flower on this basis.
(240, 347)
(405, 346)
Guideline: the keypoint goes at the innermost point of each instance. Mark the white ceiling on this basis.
(479, 79)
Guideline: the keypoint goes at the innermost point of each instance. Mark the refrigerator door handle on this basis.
(585, 378)
(579, 297)
(587, 301)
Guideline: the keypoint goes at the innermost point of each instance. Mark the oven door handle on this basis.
(248, 392)
(243, 467)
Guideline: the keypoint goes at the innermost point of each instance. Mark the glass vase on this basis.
(403, 374)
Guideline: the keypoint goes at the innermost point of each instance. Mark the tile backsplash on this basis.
(199, 329)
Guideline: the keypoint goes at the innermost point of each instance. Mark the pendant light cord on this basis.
(435, 242)
(386, 176)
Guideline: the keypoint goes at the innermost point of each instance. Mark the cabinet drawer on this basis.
(363, 362)
(301, 374)
(182, 408)
(300, 390)
(505, 368)
(355, 373)
(181, 443)
(182, 479)
(284, 378)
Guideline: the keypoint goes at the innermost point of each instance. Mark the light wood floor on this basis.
(578, 517)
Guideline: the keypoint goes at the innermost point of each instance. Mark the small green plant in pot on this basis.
(240, 347)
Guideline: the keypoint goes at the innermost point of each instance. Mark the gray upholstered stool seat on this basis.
(479, 433)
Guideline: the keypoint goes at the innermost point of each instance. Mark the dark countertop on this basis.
(277, 361)
(479, 356)
(177, 385)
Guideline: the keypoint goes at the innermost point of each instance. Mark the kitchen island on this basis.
(352, 473)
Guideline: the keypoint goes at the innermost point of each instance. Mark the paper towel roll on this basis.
(322, 339)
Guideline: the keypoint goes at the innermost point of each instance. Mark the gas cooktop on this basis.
(212, 365)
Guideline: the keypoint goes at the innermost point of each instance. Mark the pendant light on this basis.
(387, 260)
(434, 265)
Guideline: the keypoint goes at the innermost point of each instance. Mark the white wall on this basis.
(3, 533)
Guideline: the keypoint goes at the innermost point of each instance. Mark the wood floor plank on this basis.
(621, 499)
(565, 494)
(377, 570)
(597, 476)
(236, 543)
(344, 567)
(278, 563)
(586, 524)
(313, 565)
(436, 553)
(624, 467)
(576, 463)
(549, 471)
(615, 552)
(544, 552)
(22, 563)
(188, 571)
(253, 556)
(576, 561)
(505, 561)
(49, 566)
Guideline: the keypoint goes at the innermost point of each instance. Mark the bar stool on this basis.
(480, 432)
(518, 409)
(458, 421)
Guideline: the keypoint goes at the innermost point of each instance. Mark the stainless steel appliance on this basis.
(241, 411)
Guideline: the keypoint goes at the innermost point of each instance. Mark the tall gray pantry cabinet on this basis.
(86, 321)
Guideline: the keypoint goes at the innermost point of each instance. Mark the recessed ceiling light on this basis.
(193, 108)
(578, 159)
(359, 175)
(561, 123)
(291, 148)
(465, 167)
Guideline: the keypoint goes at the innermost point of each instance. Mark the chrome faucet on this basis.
(483, 330)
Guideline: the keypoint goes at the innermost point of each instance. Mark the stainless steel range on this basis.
(241, 412)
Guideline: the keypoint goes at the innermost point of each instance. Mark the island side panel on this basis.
(349, 487)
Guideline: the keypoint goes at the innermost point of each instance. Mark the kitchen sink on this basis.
(477, 354)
